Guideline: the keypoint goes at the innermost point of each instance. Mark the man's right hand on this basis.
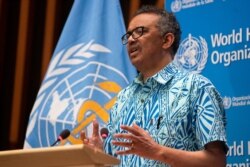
(95, 140)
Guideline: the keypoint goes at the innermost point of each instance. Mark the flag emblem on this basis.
(87, 70)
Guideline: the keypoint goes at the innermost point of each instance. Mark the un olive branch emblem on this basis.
(192, 54)
(204, 54)
(61, 64)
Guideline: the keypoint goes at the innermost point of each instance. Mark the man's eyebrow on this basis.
(129, 31)
(134, 28)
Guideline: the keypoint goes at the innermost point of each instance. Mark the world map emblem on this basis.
(176, 5)
(192, 54)
(227, 102)
(75, 91)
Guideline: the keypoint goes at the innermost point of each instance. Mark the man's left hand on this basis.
(139, 142)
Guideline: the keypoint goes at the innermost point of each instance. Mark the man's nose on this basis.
(130, 39)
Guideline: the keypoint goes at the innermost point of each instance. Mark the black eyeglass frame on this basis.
(134, 33)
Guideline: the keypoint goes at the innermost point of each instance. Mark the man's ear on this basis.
(168, 40)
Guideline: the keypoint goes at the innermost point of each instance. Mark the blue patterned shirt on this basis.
(179, 110)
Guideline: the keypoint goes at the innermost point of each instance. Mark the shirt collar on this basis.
(162, 77)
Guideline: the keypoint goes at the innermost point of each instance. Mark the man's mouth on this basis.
(133, 50)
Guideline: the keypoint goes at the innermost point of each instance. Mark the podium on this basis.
(58, 156)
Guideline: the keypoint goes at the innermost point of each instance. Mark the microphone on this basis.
(104, 133)
(63, 135)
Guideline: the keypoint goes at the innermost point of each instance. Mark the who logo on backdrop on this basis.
(227, 102)
(176, 5)
(192, 54)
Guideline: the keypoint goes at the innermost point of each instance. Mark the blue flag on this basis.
(89, 67)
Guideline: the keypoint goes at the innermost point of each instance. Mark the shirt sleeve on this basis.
(210, 115)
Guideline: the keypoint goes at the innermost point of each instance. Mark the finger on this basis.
(124, 152)
(124, 136)
(123, 144)
(139, 129)
(84, 139)
(134, 129)
(136, 126)
(95, 128)
(83, 135)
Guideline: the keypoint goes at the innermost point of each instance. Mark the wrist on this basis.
(161, 154)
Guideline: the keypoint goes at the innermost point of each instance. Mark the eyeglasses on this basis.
(136, 33)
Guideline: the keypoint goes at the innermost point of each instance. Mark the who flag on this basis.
(89, 67)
